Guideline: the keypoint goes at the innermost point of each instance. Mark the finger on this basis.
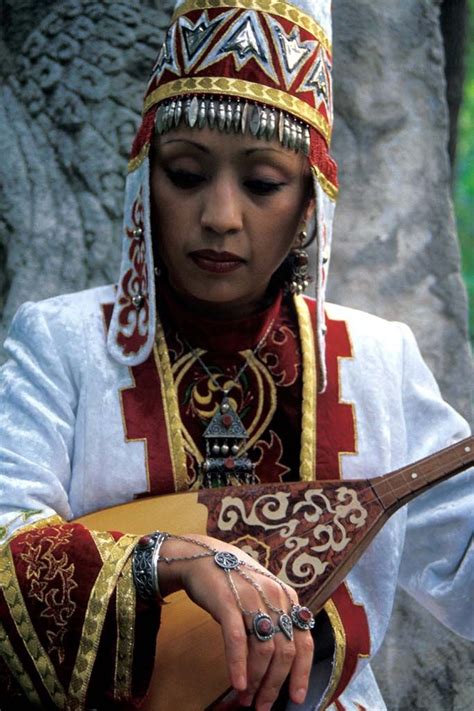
(299, 677)
(236, 650)
(260, 655)
(277, 672)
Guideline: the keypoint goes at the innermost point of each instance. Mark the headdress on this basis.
(257, 65)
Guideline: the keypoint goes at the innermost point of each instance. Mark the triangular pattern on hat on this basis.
(132, 329)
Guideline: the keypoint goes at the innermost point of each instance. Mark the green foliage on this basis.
(464, 189)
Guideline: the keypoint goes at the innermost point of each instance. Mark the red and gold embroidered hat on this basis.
(262, 66)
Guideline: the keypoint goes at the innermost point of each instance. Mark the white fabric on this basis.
(63, 450)
(136, 185)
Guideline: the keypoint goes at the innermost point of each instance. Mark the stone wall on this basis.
(73, 74)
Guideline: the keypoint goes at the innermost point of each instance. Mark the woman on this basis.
(112, 393)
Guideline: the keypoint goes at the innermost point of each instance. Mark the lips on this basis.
(217, 262)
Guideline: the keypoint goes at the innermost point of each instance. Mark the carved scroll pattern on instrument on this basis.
(301, 533)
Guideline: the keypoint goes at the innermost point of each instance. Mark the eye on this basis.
(185, 179)
(263, 187)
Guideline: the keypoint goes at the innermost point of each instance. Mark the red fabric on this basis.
(319, 156)
(276, 450)
(56, 567)
(357, 632)
(335, 419)
(145, 419)
(145, 132)
(215, 336)
(252, 71)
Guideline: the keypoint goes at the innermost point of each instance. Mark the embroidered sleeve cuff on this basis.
(69, 617)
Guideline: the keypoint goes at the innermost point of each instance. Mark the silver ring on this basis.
(262, 626)
(302, 617)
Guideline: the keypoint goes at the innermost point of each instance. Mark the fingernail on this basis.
(246, 699)
(300, 695)
(266, 707)
(240, 683)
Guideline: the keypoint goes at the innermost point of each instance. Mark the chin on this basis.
(212, 291)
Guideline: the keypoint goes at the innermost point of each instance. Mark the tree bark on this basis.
(454, 28)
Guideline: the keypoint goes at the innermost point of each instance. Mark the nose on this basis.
(222, 209)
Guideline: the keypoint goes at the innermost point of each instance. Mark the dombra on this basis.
(310, 534)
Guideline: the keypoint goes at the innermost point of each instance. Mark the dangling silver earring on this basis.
(299, 260)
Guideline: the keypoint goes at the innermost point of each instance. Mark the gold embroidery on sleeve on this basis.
(94, 620)
(17, 608)
(103, 541)
(49, 579)
(5, 530)
(125, 615)
(126, 612)
(16, 667)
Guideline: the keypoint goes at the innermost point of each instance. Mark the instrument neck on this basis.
(396, 489)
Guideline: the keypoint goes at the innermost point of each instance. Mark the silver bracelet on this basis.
(145, 566)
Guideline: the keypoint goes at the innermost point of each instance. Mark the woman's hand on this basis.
(256, 669)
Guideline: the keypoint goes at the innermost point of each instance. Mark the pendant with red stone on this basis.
(226, 463)
(262, 626)
(302, 617)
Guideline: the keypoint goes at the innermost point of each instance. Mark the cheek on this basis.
(285, 221)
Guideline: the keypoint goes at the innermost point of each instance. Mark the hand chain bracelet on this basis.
(146, 557)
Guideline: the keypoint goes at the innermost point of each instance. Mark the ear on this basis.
(310, 208)
(305, 218)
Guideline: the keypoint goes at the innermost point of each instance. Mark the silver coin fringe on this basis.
(234, 115)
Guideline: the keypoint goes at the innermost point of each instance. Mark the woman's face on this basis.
(226, 210)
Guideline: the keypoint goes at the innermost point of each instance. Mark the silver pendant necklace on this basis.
(226, 461)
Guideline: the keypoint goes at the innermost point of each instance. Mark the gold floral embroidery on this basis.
(19, 613)
(51, 581)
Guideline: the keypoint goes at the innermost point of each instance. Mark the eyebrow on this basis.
(204, 149)
(264, 148)
(199, 146)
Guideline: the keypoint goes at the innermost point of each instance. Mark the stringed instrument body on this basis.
(310, 534)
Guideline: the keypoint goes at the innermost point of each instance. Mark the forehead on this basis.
(214, 142)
